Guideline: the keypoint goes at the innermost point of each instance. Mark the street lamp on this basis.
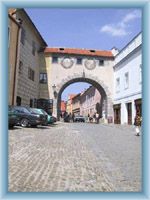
(54, 91)
(83, 74)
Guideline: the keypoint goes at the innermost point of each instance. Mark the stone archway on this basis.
(93, 80)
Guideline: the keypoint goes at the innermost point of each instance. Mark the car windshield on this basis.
(34, 110)
(19, 109)
(43, 111)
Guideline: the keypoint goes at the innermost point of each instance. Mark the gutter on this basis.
(16, 66)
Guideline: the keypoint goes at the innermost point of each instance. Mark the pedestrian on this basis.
(72, 117)
(137, 123)
(91, 119)
(97, 118)
(88, 117)
(94, 117)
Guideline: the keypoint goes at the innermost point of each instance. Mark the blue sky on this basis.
(86, 28)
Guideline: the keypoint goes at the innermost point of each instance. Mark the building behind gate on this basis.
(128, 82)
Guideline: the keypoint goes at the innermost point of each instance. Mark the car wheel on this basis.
(24, 122)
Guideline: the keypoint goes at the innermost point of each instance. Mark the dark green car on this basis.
(50, 119)
(13, 118)
(26, 117)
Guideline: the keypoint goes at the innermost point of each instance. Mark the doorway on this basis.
(129, 113)
(117, 113)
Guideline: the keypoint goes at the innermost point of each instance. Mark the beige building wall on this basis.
(28, 89)
(13, 36)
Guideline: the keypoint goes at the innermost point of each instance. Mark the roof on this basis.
(75, 51)
(140, 33)
(77, 95)
(71, 96)
(13, 11)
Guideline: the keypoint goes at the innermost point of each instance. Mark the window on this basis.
(23, 33)
(33, 48)
(117, 84)
(18, 101)
(126, 80)
(79, 61)
(101, 62)
(93, 51)
(43, 78)
(31, 74)
(31, 103)
(20, 67)
(54, 59)
(140, 73)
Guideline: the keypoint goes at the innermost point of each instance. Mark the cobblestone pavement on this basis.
(74, 157)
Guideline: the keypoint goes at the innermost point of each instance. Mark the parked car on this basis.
(42, 113)
(79, 118)
(13, 119)
(26, 117)
(67, 118)
(52, 119)
(49, 119)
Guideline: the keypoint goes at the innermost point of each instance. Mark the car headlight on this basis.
(38, 116)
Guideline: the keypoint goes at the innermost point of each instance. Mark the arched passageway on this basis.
(104, 104)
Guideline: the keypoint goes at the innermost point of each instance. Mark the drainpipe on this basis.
(16, 66)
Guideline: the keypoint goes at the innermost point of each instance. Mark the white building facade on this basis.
(88, 101)
(128, 82)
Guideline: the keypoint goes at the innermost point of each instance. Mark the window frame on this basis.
(117, 86)
(33, 48)
(79, 61)
(126, 80)
(31, 74)
(20, 67)
(54, 59)
(23, 36)
(101, 62)
(43, 79)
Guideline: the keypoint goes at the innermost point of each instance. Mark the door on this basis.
(129, 113)
(138, 105)
(117, 114)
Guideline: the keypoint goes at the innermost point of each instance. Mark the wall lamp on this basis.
(54, 90)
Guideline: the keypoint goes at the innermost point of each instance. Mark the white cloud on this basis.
(114, 30)
(120, 28)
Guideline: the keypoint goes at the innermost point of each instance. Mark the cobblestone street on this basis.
(75, 157)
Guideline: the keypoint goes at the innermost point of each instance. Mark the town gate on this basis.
(66, 66)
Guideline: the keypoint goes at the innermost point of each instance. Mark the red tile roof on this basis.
(79, 52)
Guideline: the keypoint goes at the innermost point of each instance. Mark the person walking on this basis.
(137, 123)
(94, 118)
(97, 118)
(73, 117)
(88, 117)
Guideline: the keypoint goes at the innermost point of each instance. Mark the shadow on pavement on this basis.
(14, 128)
